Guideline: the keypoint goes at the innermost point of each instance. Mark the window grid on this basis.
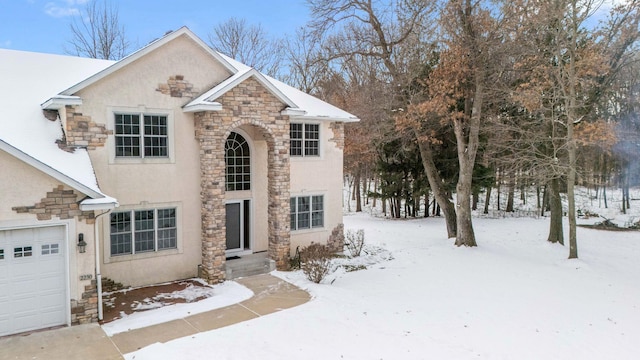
(24, 251)
(149, 139)
(306, 212)
(238, 163)
(167, 231)
(304, 139)
(50, 249)
(150, 230)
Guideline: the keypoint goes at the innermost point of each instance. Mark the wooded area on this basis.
(463, 97)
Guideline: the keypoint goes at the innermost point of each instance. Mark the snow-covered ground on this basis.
(515, 296)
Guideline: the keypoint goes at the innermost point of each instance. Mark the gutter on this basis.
(96, 240)
(92, 205)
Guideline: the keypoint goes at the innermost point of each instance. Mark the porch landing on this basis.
(249, 265)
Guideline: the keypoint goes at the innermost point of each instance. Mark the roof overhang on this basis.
(325, 118)
(60, 101)
(106, 203)
(202, 106)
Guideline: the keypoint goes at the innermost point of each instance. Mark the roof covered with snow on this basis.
(300, 103)
(30, 79)
(34, 81)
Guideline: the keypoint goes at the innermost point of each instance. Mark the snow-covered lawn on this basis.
(515, 296)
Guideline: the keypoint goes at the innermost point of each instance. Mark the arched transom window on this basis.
(238, 161)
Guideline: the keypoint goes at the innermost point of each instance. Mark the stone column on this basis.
(212, 168)
(279, 220)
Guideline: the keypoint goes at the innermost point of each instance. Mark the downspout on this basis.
(98, 274)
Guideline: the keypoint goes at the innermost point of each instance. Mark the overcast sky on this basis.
(43, 25)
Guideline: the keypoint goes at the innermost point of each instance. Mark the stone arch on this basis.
(278, 189)
(212, 130)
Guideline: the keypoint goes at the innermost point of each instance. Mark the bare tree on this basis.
(97, 33)
(305, 60)
(249, 44)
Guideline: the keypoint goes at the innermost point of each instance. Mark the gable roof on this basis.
(29, 79)
(183, 31)
(300, 104)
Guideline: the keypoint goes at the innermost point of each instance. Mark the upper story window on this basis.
(304, 139)
(238, 160)
(141, 135)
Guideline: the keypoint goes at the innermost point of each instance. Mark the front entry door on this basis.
(237, 221)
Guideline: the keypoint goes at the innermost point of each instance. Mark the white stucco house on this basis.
(157, 167)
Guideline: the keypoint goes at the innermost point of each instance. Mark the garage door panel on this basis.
(33, 284)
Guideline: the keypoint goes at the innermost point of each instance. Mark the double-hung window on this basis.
(141, 135)
(304, 139)
(139, 231)
(307, 212)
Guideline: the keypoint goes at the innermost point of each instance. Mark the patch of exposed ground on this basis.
(117, 304)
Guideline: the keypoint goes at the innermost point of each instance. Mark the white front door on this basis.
(238, 223)
(33, 286)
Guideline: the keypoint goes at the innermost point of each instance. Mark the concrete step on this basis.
(249, 265)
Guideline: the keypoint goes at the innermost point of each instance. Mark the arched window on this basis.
(238, 161)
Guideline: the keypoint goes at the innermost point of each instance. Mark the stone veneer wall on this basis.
(338, 134)
(178, 87)
(249, 103)
(336, 239)
(85, 310)
(82, 132)
(61, 203)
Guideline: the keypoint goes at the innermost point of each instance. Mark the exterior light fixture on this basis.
(82, 245)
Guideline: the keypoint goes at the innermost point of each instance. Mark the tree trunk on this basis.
(467, 131)
(512, 190)
(384, 206)
(356, 191)
(555, 226)
(486, 200)
(375, 190)
(437, 186)
(475, 199)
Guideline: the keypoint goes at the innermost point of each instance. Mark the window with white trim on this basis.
(306, 212)
(304, 139)
(141, 135)
(237, 158)
(139, 231)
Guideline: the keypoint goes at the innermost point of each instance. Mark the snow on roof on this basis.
(29, 80)
(309, 106)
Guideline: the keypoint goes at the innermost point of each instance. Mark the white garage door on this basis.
(33, 287)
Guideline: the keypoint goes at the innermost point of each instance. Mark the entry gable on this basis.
(207, 101)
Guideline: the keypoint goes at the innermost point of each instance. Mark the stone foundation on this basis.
(336, 239)
(85, 310)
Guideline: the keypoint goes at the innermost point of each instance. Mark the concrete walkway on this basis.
(271, 294)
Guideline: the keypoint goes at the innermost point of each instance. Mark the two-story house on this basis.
(157, 167)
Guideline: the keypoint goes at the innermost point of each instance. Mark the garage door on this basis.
(33, 286)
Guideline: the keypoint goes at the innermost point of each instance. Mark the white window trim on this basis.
(324, 213)
(106, 231)
(141, 110)
(321, 135)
